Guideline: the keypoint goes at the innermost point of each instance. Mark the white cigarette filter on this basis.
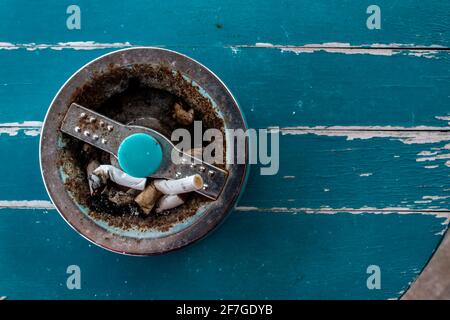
(120, 177)
(188, 184)
(168, 201)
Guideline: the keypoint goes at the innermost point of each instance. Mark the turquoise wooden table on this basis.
(363, 188)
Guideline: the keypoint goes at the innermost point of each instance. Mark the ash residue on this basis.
(143, 95)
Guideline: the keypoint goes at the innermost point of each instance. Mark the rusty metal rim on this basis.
(216, 212)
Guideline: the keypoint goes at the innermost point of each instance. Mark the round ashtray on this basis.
(140, 86)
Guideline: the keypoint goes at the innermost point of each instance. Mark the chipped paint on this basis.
(26, 204)
(407, 135)
(330, 47)
(433, 198)
(434, 158)
(368, 174)
(75, 45)
(346, 48)
(432, 167)
(438, 213)
(30, 128)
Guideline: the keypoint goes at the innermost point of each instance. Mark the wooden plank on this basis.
(303, 256)
(315, 171)
(274, 88)
(214, 22)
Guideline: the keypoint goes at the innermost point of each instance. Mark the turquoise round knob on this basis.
(140, 155)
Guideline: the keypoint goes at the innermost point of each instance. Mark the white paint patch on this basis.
(407, 135)
(363, 210)
(366, 174)
(433, 198)
(346, 48)
(432, 167)
(427, 153)
(26, 204)
(235, 50)
(434, 158)
(443, 118)
(75, 45)
(30, 128)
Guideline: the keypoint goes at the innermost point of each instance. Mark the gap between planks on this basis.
(12, 128)
(330, 47)
(439, 213)
(346, 48)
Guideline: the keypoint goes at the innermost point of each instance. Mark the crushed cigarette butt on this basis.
(147, 198)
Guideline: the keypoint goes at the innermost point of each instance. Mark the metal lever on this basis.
(107, 135)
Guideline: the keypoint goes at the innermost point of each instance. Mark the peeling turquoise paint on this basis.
(268, 252)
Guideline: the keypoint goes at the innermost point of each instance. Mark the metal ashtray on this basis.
(137, 87)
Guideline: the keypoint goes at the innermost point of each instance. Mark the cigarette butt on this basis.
(168, 201)
(188, 184)
(118, 176)
(93, 180)
(147, 198)
(182, 116)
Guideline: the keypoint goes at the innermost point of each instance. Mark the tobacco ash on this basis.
(151, 96)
